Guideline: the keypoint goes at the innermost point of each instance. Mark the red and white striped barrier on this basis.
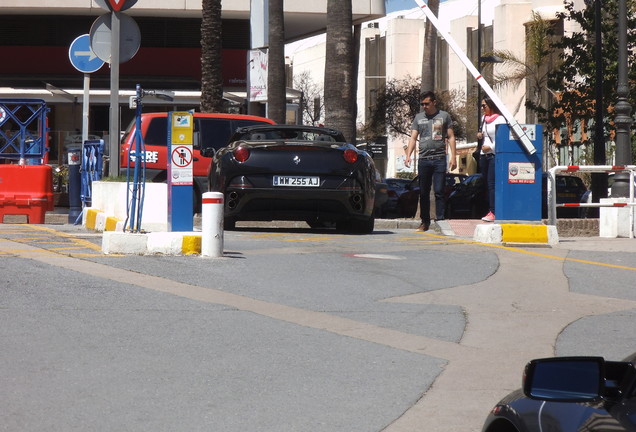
(552, 204)
(212, 224)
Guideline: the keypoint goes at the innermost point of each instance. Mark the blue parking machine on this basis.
(518, 175)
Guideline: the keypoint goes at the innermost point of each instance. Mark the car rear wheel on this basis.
(361, 226)
(229, 224)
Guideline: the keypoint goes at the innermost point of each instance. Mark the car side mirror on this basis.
(565, 379)
(208, 152)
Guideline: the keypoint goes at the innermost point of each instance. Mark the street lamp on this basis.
(623, 119)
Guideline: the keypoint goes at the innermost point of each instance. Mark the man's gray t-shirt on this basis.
(433, 131)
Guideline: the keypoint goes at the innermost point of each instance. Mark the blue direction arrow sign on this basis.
(82, 56)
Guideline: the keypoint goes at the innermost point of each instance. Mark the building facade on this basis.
(396, 41)
(36, 35)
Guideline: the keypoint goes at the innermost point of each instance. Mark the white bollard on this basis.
(212, 224)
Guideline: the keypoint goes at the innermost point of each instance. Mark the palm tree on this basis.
(429, 55)
(211, 49)
(534, 69)
(540, 60)
(340, 76)
(276, 88)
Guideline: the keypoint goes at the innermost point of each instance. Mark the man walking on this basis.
(433, 126)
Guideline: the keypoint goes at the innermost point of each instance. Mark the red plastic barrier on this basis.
(26, 190)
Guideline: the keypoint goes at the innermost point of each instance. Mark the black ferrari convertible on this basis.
(291, 172)
(570, 394)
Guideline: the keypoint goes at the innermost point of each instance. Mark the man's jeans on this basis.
(432, 172)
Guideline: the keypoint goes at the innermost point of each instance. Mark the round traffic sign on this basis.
(129, 37)
(82, 56)
(116, 5)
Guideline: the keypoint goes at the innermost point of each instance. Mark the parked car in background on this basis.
(408, 201)
(290, 172)
(211, 130)
(395, 187)
(381, 201)
(570, 394)
(467, 199)
(569, 189)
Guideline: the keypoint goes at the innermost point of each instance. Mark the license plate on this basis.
(303, 181)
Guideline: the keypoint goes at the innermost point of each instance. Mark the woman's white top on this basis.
(489, 130)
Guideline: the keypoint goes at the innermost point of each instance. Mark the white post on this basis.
(212, 224)
(85, 108)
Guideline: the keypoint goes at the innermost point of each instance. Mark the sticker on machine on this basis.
(521, 172)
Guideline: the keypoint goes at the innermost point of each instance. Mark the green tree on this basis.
(340, 74)
(211, 49)
(533, 70)
(399, 102)
(312, 101)
(574, 80)
(276, 88)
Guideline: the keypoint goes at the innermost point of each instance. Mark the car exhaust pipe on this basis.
(232, 201)
(356, 201)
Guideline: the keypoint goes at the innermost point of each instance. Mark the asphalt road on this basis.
(294, 330)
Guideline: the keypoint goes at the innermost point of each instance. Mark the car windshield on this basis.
(269, 134)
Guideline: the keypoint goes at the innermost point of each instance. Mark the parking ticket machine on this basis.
(518, 175)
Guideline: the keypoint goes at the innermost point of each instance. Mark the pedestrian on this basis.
(491, 118)
(433, 127)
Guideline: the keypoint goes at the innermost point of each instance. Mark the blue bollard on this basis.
(74, 185)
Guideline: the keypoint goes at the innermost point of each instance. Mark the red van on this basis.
(210, 130)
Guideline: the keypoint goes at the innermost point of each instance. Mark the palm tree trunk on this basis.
(429, 55)
(211, 49)
(340, 76)
(276, 88)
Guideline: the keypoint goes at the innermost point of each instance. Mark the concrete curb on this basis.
(166, 243)
(115, 241)
(97, 220)
(517, 233)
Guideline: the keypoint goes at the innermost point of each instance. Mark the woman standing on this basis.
(492, 117)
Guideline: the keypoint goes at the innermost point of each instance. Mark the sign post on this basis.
(116, 7)
(180, 178)
(84, 60)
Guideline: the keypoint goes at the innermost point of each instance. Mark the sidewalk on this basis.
(458, 227)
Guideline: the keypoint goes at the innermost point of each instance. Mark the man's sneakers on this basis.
(490, 217)
(423, 227)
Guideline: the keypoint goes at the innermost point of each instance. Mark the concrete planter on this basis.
(111, 199)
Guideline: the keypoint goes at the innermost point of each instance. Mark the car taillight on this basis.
(350, 155)
(241, 154)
